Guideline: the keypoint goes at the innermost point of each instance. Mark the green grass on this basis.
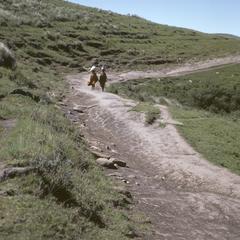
(151, 112)
(216, 137)
(207, 103)
(68, 197)
(65, 34)
(214, 90)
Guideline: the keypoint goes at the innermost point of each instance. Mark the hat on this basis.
(92, 68)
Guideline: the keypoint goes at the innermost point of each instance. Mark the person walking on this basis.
(93, 77)
(103, 78)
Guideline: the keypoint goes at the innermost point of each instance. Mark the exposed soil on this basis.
(185, 196)
(177, 70)
(8, 124)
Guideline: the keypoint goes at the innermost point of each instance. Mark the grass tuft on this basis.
(151, 112)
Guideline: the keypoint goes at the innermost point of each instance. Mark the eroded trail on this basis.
(185, 196)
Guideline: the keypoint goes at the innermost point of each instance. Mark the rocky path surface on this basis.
(185, 197)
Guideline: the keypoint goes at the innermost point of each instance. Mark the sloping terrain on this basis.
(50, 186)
(185, 196)
(207, 102)
(60, 33)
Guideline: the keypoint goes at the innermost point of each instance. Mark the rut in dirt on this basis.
(185, 196)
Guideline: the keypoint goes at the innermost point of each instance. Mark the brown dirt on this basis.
(177, 70)
(8, 124)
(185, 196)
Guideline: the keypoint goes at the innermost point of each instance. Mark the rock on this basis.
(15, 171)
(132, 234)
(78, 110)
(104, 162)
(96, 148)
(132, 176)
(7, 59)
(116, 175)
(120, 163)
(98, 154)
(114, 151)
(115, 165)
(62, 104)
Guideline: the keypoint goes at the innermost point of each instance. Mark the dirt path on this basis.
(186, 197)
(176, 71)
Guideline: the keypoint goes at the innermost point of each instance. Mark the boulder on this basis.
(7, 59)
(14, 171)
(120, 163)
(78, 110)
(104, 162)
(98, 154)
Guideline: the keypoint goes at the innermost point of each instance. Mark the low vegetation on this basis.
(65, 195)
(207, 103)
(151, 112)
(61, 34)
(215, 136)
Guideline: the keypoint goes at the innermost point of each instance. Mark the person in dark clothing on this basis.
(103, 78)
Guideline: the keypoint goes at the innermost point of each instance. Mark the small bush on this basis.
(151, 112)
(151, 117)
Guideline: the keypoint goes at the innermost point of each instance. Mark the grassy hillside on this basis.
(217, 91)
(59, 33)
(208, 104)
(65, 195)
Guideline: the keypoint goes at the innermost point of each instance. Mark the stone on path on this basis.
(104, 162)
(112, 163)
(7, 59)
(120, 163)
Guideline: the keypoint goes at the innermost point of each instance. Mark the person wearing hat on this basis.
(93, 78)
(103, 78)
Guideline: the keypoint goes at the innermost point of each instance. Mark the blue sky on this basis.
(211, 16)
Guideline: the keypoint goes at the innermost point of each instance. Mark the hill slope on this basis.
(66, 34)
(208, 103)
(63, 194)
